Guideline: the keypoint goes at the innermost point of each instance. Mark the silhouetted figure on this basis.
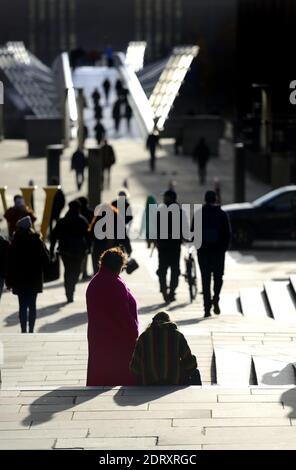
(98, 112)
(116, 114)
(163, 344)
(17, 212)
(78, 164)
(169, 247)
(27, 260)
(118, 87)
(100, 132)
(107, 87)
(201, 156)
(151, 144)
(216, 234)
(147, 227)
(128, 115)
(72, 234)
(85, 133)
(108, 159)
(125, 217)
(96, 96)
(58, 204)
(109, 53)
(100, 245)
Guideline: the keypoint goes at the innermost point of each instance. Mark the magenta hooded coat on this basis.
(112, 330)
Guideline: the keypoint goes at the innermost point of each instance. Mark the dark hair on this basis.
(172, 195)
(75, 206)
(17, 196)
(161, 317)
(83, 201)
(210, 197)
(114, 259)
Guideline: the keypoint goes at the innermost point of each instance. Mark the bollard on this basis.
(80, 106)
(95, 176)
(239, 173)
(54, 153)
(3, 198)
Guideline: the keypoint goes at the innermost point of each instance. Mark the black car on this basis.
(271, 217)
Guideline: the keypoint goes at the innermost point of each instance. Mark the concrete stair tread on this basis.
(252, 303)
(280, 300)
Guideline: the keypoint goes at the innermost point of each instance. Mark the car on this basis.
(270, 217)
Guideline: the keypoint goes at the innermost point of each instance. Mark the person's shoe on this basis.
(70, 300)
(207, 314)
(216, 306)
(172, 296)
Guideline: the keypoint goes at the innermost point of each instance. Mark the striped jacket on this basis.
(162, 356)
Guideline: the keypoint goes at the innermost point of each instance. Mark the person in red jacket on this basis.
(112, 324)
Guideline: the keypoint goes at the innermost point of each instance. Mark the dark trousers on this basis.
(202, 172)
(27, 302)
(72, 264)
(152, 160)
(211, 262)
(1, 285)
(79, 179)
(169, 258)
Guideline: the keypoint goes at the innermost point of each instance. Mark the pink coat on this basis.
(112, 330)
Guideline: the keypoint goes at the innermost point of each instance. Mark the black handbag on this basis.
(131, 266)
(52, 271)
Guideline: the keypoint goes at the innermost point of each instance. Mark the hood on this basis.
(237, 207)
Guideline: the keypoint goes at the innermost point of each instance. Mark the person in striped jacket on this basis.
(162, 355)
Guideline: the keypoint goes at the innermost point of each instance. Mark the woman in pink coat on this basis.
(112, 324)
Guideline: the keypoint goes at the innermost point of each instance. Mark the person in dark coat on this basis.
(72, 234)
(4, 251)
(125, 218)
(100, 132)
(27, 260)
(58, 204)
(169, 247)
(98, 112)
(118, 87)
(96, 96)
(163, 344)
(201, 156)
(107, 86)
(78, 164)
(151, 144)
(17, 212)
(216, 235)
(108, 159)
(128, 116)
(116, 114)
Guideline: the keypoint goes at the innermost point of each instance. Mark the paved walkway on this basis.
(37, 411)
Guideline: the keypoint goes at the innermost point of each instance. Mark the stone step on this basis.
(281, 302)
(232, 367)
(273, 372)
(253, 303)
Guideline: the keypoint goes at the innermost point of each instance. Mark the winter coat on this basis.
(27, 259)
(112, 330)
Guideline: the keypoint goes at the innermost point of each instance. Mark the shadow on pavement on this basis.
(13, 319)
(285, 376)
(288, 399)
(142, 395)
(70, 321)
(61, 400)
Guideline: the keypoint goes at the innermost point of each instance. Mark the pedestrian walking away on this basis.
(96, 97)
(100, 132)
(116, 114)
(112, 324)
(128, 116)
(74, 242)
(58, 204)
(216, 235)
(163, 344)
(27, 260)
(107, 87)
(152, 144)
(169, 246)
(201, 156)
(108, 159)
(17, 212)
(78, 164)
(88, 214)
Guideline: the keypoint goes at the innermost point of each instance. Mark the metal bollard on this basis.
(54, 153)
